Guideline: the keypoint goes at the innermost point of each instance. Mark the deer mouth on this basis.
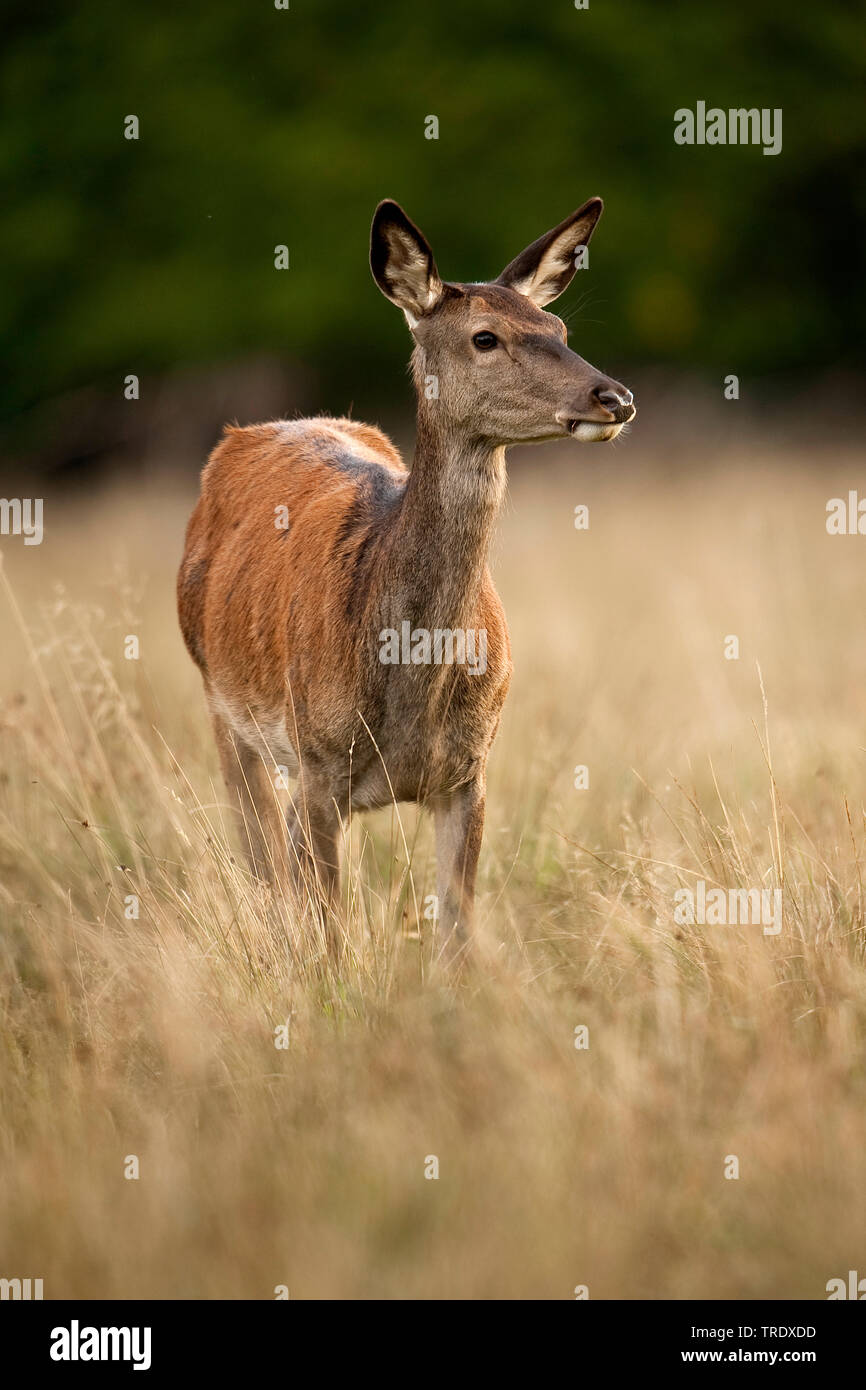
(593, 431)
(589, 430)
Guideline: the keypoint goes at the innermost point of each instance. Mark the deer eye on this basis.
(485, 341)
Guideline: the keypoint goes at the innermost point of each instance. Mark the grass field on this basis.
(559, 1166)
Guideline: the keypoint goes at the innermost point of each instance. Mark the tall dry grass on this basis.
(558, 1166)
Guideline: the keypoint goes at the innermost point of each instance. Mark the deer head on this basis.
(503, 369)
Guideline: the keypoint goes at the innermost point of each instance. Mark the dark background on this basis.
(261, 127)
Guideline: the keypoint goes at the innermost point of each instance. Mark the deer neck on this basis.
(446, 521)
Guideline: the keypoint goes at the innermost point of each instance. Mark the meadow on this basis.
(585, 1085)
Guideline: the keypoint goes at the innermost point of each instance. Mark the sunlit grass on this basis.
(259, 1166)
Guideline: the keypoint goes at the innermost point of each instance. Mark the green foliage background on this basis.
(262, 126)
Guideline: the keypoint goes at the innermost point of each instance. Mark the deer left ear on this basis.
(546, 268)
(402, 263)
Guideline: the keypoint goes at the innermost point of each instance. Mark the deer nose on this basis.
(617, 399)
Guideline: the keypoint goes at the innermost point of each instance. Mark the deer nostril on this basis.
(612, 400)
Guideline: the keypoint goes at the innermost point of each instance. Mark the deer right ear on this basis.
(547, 267)
(402, 263)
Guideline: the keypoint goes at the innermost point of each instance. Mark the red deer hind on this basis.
(362, 646)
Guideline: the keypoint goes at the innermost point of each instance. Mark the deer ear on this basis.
(402, 263)
(545, 268)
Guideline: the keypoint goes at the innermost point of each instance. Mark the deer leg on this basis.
(459, 819)
(314, 859)
(252, 792)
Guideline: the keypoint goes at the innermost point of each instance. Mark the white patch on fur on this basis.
(589, 433)
(409, 283)
(545, 283)
(556, 266)
(325, 427)
(268, 734)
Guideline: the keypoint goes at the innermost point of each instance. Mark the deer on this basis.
(312, 544)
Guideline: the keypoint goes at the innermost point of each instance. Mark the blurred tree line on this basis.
(262, 126)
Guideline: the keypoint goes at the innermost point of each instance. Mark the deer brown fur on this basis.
(286, 623)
